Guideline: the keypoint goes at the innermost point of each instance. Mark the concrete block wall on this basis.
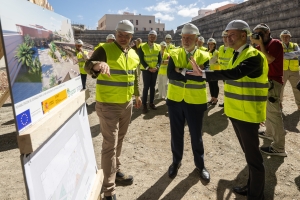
(277, 14)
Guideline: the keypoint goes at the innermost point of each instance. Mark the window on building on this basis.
(144, 29)
(136, 22)
(151, 29)
(163, 29)
(101, 25)
(136, 29)
(131, 20)
(157, 29)
(150, 21)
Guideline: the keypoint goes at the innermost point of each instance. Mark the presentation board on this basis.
(39, 52)
(65, 167)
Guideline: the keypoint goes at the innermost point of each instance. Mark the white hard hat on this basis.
(152, 32)
(238, 25)
(125, 26)
(163, 44)
(78, 42)
(168, 36)
(201, 38)
(189, 28)
(211, 40)
(285, 32)
(110, 36)
(224, 33)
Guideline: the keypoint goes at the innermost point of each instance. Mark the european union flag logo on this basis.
(23, 119)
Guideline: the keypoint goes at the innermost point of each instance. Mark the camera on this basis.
(255, 36)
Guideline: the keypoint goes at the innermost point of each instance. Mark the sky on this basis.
(171, 12)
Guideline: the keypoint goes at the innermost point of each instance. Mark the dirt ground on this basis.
(147, 155)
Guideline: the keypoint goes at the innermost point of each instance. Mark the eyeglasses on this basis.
(127, 36)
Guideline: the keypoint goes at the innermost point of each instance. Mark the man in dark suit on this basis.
(246, 92)
(186, 101)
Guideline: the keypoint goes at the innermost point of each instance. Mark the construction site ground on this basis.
(147, 155)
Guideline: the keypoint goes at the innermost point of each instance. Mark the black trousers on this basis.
(83, 80)
(193, 114)
(149, 80)
(247, 134)
(213, 88)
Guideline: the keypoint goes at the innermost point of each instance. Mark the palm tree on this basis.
(35, 67)
(24, 55)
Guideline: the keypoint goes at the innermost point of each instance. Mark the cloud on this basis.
(126, 10)
(188, 11)
(164, 17)
(213, 6)
(163, 6)
(80, 17)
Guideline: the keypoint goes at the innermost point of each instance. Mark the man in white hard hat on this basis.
(273, 50)
(168, 40)
(246, 91)
(150, 58)
(114, 65)
(290, 65)
(200, 43)
(186, 101)
(82, 56)
(109, 39)
(225, 54)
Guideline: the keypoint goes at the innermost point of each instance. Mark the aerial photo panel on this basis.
(40, 59)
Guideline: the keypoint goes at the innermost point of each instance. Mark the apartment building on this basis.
(140, 22)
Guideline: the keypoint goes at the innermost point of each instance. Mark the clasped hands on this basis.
(153, 70)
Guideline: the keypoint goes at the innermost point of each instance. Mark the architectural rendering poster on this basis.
(40, 59)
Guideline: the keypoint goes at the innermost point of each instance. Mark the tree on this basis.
(24, 55)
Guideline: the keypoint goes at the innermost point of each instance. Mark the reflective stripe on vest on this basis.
(191, 92)
(245, 98)
(291, 64)
(247, 84)
(119, 86)
(115, 71)
(192, 86)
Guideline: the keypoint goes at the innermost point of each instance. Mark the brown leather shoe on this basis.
(152, 106)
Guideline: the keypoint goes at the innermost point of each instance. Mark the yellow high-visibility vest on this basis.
(151, 55)
(170, 47)
(119, 87)
(203, 48)
(291, 64)
(224, 56)
(99, 45)
(192, 92)
(246, 98)
(163, 68)
(214, 66)
(81, 61)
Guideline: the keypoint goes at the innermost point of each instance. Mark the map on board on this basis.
(65, 167)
